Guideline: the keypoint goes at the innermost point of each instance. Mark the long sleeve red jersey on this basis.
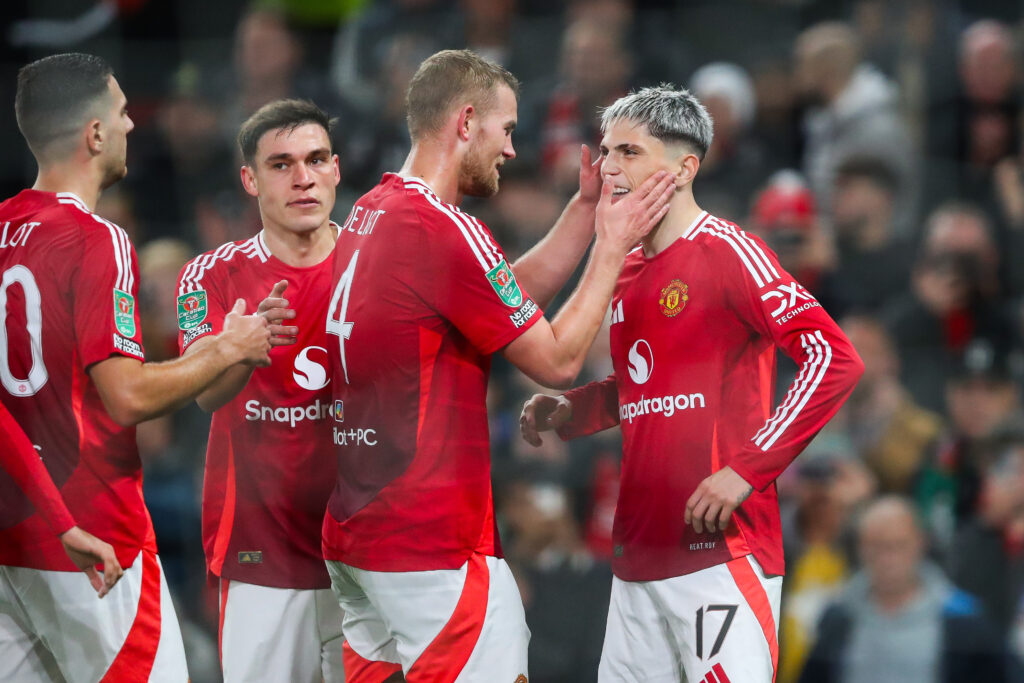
(693, 338)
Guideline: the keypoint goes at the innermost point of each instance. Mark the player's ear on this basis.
(337, 169)
(249, 181)
(689, 164)
(94, 136)
(466, 119)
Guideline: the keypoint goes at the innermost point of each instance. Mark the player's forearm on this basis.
(579, 320)
(830, 369)
(224, 389)
(226, 386)
(21, 461)
(595, 407)
(545, 268)
(133, 392)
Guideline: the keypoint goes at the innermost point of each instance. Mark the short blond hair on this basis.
(446, 77)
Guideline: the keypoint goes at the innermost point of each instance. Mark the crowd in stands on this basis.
(876, 145)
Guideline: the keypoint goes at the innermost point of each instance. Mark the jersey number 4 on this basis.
(339, 326)
(37, 374)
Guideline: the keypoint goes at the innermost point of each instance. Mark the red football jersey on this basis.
(422, 297)
(269, 465)
(68, 300)
(693, 337)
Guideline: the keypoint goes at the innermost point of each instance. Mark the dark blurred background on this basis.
(876, 145)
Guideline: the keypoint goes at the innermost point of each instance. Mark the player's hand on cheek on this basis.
(542, 413)
(590, 176)
(629, 219)
(275, 310)
(711, 506)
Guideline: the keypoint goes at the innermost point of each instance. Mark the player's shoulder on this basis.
(71, 212)
(225, 260)
(730, 246)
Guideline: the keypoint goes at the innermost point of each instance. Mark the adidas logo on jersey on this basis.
(617, 316)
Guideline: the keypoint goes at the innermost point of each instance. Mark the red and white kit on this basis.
(422, 297)
(693, 340)
(269, 472)
(68, 288)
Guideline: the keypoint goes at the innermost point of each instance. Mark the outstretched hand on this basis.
(542, 413)
(711, 506)
(87, 551)
(275, 310)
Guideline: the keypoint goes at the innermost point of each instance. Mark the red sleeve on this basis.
(106, 289)
(595, 407)
(20, 459)
(199, 307)
(776, 306)
(471, 283)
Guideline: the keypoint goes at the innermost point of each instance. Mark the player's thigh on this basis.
(269, 633)
(500, 651)
(131, 634)
(368, 642)
(452, 625)
(23, 658)
(725, 621)
(637, 643)
(329, 621)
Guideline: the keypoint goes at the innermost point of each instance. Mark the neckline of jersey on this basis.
(271, 258)
(683, 237)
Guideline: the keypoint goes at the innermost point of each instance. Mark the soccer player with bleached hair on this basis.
(73, 376)
(697, 315)
(423, 296)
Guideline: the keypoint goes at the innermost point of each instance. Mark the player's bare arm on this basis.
(546, 267)
(133, 391)
(712, 504)
(543, 413)
(230, 382)
(87, 551)
(553, 354)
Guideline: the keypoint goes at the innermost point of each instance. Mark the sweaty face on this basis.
(116, 125)
(490, 146)
(632, 155)
(294, 175)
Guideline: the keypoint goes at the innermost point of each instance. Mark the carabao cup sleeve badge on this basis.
(504, 282)
(124, 313)
(191, 309)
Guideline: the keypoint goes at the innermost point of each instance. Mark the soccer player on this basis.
(422, 297)
(72, 375)
(269, 472)
(21, 462)
(697, 315)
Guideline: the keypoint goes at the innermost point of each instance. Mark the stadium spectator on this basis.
(900, 618)
(851, 110)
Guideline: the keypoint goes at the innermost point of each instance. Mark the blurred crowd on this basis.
(876, 145)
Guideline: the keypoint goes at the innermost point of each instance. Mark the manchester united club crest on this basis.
(673, 298)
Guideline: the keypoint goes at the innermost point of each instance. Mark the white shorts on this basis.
(717, 625)
(279, 634)
(441, 626)
(54, 628)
